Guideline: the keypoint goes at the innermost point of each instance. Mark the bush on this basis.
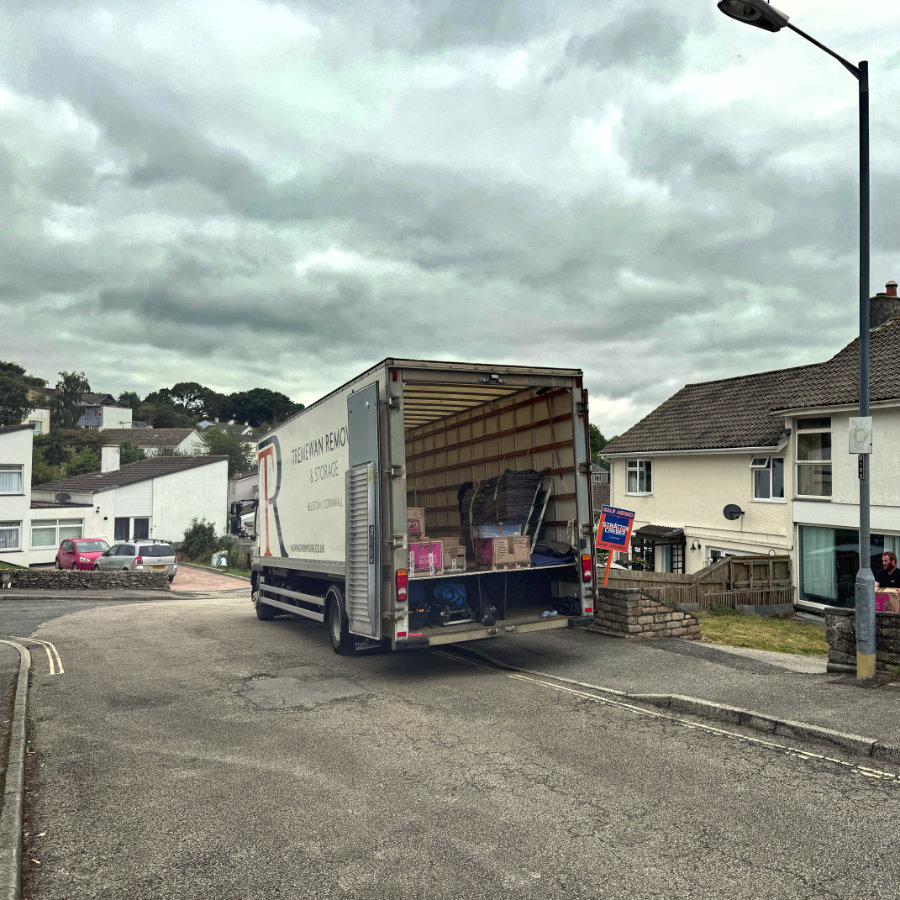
(199, 539)
(238, 559)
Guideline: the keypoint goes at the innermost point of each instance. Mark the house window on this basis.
(37, 424)
(10, 536)
(49, 532)
(717, 553)
(638, 477)
(11, 480)
(814, 457)
(768, 477)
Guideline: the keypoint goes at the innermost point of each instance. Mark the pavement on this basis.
(785, 696)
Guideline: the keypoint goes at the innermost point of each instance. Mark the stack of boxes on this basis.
(497, 547)
(502, 546)
(426, 557)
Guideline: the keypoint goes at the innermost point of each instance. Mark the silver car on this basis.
(139, 556)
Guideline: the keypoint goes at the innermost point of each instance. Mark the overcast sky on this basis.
(280, 194)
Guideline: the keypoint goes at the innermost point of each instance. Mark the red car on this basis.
(80, 553)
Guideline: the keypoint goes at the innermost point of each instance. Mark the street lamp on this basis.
(763, 15)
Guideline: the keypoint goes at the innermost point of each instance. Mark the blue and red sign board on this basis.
(614, 529)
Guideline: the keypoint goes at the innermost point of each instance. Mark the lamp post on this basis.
(762, 14)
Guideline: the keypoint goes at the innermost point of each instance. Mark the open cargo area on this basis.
(493, 524)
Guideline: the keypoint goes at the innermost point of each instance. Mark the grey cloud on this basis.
(645, 37)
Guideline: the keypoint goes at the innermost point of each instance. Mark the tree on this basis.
(598, 442)
(195, 399)
(128, 453)
(224, 443)
(258, 406)
(14, 402)
(69, 391)
(130, 399)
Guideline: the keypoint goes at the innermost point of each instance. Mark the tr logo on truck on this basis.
(270, 478)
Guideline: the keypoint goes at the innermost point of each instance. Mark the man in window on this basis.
(888, 576)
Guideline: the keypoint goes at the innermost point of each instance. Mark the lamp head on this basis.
(755, 12)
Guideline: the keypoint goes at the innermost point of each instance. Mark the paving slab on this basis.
(190, 578)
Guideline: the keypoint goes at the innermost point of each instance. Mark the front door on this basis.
(363, 498)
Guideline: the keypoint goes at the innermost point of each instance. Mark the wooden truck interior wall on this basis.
(524, 430)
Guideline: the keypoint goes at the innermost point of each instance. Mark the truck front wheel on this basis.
(264, 612)
(341, 642)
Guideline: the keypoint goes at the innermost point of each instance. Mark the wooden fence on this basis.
(731, 582)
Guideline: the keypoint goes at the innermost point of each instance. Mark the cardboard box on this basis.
(887, 600)
(503, 552)
(426, 558)
(415, 521)
(454, 557)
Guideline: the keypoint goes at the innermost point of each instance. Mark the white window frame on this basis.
(13, 468)
(17, 528)
(642, 471)
(805, 426)
(765, 464)
(62, 529)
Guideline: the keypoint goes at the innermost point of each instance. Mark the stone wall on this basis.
(69, 580)
(840, 629)
(633, 614)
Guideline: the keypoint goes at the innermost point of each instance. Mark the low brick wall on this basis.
(840, 630)
(633, 614)
(69, 580)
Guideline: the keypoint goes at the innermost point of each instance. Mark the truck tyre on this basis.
(264, 612)
(341, 641)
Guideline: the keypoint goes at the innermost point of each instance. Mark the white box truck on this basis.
(485, 450)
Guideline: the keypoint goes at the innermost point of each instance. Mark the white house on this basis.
(154, 498)
(15, 492)
(760, 464)
(28, 528)
(153, 441)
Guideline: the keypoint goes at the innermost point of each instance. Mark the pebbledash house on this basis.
(760, 464)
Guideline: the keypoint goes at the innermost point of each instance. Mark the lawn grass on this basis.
(784, 635)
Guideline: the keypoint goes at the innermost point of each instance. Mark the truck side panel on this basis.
(301, 488)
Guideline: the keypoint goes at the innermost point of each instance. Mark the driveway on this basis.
(197, 578)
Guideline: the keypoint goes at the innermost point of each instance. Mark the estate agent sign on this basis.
(614, 533)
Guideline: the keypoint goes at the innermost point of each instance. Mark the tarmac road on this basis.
(190, 751)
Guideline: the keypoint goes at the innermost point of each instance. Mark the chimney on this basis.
(884, 306)
(109, 458)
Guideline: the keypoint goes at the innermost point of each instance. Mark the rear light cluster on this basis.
(402, 585)
(587, 568)
(139, 560)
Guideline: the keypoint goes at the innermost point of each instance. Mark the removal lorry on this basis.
(427, 503)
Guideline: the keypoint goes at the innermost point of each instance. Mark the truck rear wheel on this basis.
(341, 642)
